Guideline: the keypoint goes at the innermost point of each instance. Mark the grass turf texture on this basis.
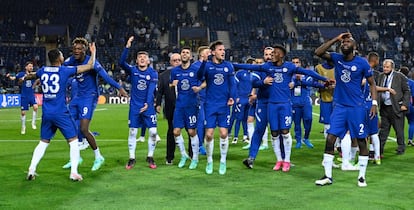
(168, 187)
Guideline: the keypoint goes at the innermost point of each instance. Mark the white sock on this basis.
(250, 130)
(34, 117)
(23, 118)
(195, 146)
(362, 162)
(327, 164)
(287, 143)
(353, 153)
(179, 140)
(152, 139)
(224, 147)
(346, 149)
(97, 153)
(209, 150)
(264, 138)
(74, 156)
(325, 129)
(371, 147)
(376, 144)
(38, 153)
(132, 142)
(276, 148)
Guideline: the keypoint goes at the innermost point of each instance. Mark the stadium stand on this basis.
(382, 26)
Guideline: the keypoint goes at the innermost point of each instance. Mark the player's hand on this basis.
(268, 80)
(372, 112)
(342, 36)
(252, 98)
(291, 85)
(403, 108)
(230, 102)
(92, 47)
(158, 109)
(392, 91)
(196, 89)
(174, 83)
(144, 108)
(330, 83)
(122, 92)
(129, 42)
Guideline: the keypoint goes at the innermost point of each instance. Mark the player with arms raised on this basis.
(55, 112)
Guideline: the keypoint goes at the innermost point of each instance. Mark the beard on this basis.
(347, 51)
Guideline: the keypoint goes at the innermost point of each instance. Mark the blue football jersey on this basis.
(143, 83)
(26, 88)
(348, 76)
(88, 81)
(187, 78)
(279, 91)
(243, 80)
(220, 83)
(54, 80)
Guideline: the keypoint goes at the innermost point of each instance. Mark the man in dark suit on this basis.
(394, 101)
(164, 90)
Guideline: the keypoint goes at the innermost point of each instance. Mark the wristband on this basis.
(374, 103)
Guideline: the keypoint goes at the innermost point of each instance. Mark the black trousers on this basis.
(170, 136)
(388, 119)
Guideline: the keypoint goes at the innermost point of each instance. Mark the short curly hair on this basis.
(80, 40)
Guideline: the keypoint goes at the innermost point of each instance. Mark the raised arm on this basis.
(124, 55)
(253, 67)
(91, 62)
(108, 79)
(322, 51)
(10, 77)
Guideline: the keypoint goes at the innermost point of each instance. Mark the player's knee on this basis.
(331, 138)
(209, 135)
(361, 141)
(84, 130)
(330, 144)
(250, 119)
(191, 132)
(362, 144)
(152, 131)
(176, 132)
(133, 132)
(274, 133)
(284, 132)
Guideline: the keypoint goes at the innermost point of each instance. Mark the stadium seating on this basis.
(252, 25)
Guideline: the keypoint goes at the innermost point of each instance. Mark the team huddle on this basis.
(213, 92)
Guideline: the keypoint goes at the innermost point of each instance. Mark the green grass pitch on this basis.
(168, 187)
